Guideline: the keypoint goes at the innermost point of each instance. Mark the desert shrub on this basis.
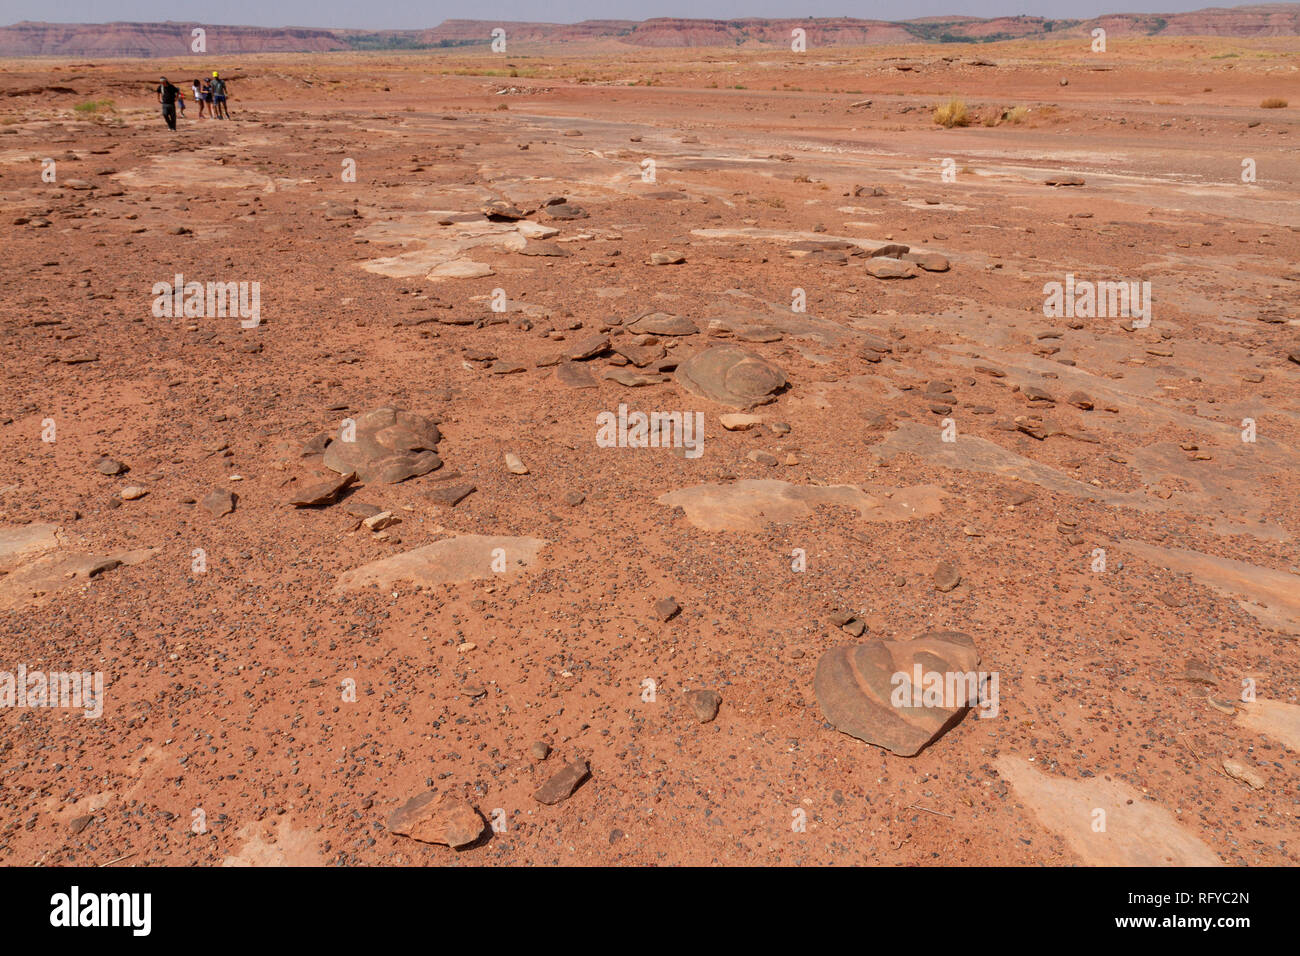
(1273, 103)
(953, 113)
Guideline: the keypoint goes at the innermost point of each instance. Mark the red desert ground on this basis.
(664, 442)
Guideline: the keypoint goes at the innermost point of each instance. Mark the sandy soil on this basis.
(228, 643)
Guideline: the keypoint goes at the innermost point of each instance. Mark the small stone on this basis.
(110, 467)
(929, 261)
(704, 704)
(574, 498)
(739, 423)
(515, 465)
(575, 376)
(132, 492)
(450, 494)
(565, 211)
(662, 323)
(322, 492)
(498, 210)
(587, 347)
(666, 608)
(540, 248)
(946, 577)
(449, 822)
(380, 521)
(387, 445)
(887, 268)
(730, 375)
(1240, 771)
(218, 502)
(563, 784)
(540, 749)
(666, 259)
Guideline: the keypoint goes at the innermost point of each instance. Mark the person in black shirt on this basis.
(167, 97)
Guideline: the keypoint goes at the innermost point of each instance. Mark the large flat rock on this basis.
(1272, 597)
(21, 543)
(462, 558)
(752, 503)
(1272, 718)
(1137, 831)
(56, 570)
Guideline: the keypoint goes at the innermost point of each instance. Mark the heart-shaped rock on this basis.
(900, 695)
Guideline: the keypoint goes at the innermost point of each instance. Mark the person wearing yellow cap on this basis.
(219, 93)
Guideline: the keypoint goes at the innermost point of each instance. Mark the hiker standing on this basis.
(199, 97)
(167, 97)
(219, 93)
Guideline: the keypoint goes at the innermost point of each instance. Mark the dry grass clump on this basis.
(953, 113)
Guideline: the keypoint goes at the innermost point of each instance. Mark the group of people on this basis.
(210, 94)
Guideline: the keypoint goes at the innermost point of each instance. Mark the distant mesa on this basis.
(121, 39)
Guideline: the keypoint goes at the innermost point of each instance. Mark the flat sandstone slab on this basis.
(1272, 718)
(462, 558)
(56, 570)
(1273, 597)
(23, 542)
(748, 505)
(1137, 832)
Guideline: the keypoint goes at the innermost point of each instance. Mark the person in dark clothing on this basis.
(167, 97)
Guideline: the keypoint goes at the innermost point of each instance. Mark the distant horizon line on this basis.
(942, 16)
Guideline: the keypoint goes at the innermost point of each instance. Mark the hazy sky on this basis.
(405, 14)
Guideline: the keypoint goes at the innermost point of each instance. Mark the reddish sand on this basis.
(225, 687)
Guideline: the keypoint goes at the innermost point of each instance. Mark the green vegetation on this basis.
(381, 41)
(90, 107)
